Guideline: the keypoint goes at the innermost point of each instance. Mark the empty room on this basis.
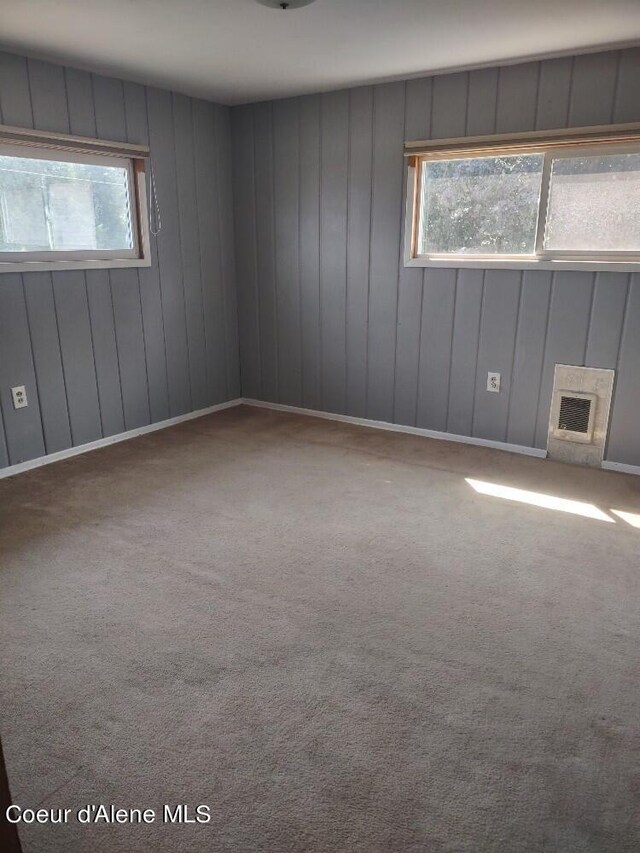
(319, 426)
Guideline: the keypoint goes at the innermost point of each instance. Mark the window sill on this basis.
(556, 265)
(84, 264)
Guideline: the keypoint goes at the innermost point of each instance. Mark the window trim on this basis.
(553, 145)
(73, 149)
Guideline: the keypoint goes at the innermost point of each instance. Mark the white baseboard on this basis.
(11, 470)
(426, 433)
(621, 467)
(113, 439)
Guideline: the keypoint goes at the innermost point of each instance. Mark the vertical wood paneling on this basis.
(416, 350)
(436, 336)
(386, 216)
(529, 355)
(23, 427)
(82, 122)
(571, 298)
(76, 347)
(333, 248)
(593, 89)
(216, 307)
(483, 98)
(553, 93)
(43, 325)
(135, 106)
(50, 104)
(127, 316)
(28, 441)
(15, 98)
(223, 159)
(309, 258)
(464, 351)
(4, 453)
(449, 105)
(517, 96)
(246, 260)
(627, 105)
(417, 126)
(90, 347)
(162, 142)
(287, 242)
(329, 317)
(498, 324)
(48, 97)
(190, 248)
(623, 434)
(607, 318)
(358, 243)
(264, 202)
(105, 352)
(211, 261)
(127, 312)
(79, 89)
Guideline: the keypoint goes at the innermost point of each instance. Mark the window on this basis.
(558, 202)
(62, 208)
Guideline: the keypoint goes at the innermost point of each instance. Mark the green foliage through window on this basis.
(480, 205)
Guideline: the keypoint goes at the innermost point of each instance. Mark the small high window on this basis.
(571, 202)
(62, 208)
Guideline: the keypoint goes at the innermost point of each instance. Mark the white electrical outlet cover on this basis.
(19, 396)
(493, 382)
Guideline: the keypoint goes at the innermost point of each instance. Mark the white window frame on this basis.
(552, 145)
(18, 142)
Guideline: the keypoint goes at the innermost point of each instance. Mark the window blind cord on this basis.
(155, 220)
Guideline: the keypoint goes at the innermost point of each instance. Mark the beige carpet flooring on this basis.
(326, 635)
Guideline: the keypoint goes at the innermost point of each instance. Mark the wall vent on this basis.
(576, 415)
(580, 414)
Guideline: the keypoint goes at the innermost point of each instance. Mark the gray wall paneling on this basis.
(23, 428)
(207, 197)
(286, 176)
(528, 361)
(408, 345)
(417, 123)
(464, 351)
(162, 142)
(309, 252)
(498, 325)
(123, 283)
(358, 260)
(265, 249)
(334, 145)
(567, 331)
(246, 253)
(104, 351)
(386, 201)
(224, 205)
(329, 316)
(623, 434)
(190, 248)
(135, 103)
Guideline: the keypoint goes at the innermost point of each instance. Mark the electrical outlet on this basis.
(19, 395)
(493, 382)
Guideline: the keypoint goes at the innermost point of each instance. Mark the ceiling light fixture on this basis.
(285, 5)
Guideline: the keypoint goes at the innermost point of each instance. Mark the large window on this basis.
(70, 208)
(569, 203)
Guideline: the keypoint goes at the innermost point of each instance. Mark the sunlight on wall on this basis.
(537, 499)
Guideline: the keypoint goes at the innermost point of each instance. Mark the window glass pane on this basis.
(594, 203)
(480, 205)
(46, 205)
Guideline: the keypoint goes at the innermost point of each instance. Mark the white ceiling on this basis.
(235, 51)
